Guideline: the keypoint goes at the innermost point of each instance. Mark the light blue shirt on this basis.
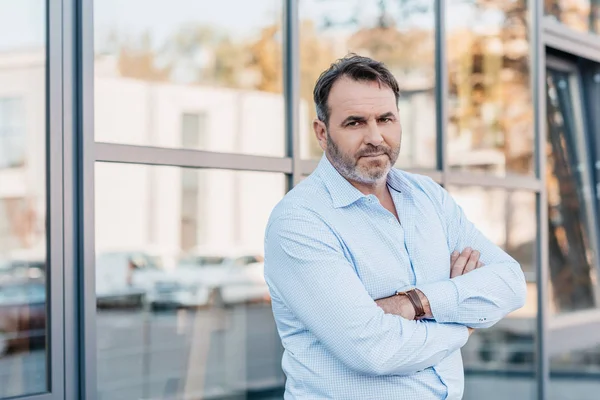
(330, 251)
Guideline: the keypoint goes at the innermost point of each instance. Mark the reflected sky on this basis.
(22, 24)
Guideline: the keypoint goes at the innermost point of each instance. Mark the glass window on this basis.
(489, 68)
(572, 258)
(574, 338)
(219, 61)
(581, 15)
(23, 316)
(183, 308)
(12, 133)
(499, 361)
(399, 33)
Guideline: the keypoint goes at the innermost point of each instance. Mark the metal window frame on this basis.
(70, 204)
(148, 155)
(539, 100)
(561, 37)
(54, 207)
(84, 195)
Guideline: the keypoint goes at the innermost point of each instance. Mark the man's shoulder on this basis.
(309, 197)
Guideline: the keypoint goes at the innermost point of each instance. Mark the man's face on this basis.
(364, 133)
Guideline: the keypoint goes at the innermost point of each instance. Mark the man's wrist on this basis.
(417, 302)
(406, 307)
(425, 303)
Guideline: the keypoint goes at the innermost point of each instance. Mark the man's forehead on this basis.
(348, 95)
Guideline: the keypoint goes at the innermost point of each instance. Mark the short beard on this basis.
(348, 167)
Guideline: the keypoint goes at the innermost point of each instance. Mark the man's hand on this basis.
(464, 262)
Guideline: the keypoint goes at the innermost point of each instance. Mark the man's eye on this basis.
(385, 120)
(353, 123)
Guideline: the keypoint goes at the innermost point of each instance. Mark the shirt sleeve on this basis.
(484, 296)
(307, 267)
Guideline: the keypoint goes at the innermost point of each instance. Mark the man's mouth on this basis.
(374, 155)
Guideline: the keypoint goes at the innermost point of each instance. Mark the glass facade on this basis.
(183, 308)
(490, 111)
(382, 30)
(195, 58)
(571, 171)
(580, 15)
(143, 145)
(23, 234)
(502, 358)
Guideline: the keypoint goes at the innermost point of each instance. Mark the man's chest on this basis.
(390, 254)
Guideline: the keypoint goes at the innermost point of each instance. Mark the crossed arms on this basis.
(308, 269)
(460, 264)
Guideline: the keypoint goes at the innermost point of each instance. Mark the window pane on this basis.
(581, 15)
(490, 106)
(218, 62)
(183, 308)
(399, 33)
(23, 316)
(574, 338)
(575, 359)
(571, 244)
(499, 361)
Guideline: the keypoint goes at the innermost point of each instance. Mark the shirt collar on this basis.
(342, 192)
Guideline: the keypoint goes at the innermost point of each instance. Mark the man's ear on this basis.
(320, 132)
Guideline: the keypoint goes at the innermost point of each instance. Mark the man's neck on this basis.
(379, 188)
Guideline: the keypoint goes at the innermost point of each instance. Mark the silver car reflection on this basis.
(203, 278)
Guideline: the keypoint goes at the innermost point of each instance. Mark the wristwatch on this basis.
(413, 296)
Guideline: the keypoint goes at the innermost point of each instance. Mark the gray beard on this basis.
(348, 168)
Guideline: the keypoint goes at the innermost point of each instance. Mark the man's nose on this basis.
(372, 134)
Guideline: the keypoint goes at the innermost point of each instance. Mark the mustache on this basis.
(373, 150)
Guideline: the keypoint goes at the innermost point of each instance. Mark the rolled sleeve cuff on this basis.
(443, 300)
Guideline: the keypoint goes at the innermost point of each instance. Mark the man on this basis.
(374, 283)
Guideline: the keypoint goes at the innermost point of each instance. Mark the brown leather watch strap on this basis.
(413, 296)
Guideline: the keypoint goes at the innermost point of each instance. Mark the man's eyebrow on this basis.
(353, 118)
(387, 115)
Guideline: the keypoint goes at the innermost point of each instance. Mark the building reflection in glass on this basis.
(581, 15)
(399, 33)
(489, 69)
(571, 238)
(23, 266)
(499, 361)
(183, 308)
(222, 60)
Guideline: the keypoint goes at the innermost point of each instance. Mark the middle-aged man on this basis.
(374, 283)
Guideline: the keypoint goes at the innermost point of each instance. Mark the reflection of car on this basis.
(207, 278)
(22, 268)
(123, 277)
(22, 315)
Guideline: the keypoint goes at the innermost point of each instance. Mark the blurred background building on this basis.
(143, 144)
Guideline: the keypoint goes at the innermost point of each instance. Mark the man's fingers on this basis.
(453, 257)
(472, 262)
(460, 263)
(479, 264)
